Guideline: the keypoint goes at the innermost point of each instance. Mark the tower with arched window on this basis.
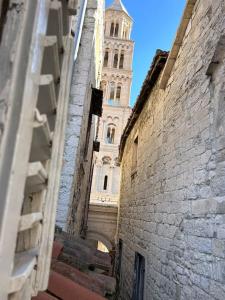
(116, 86)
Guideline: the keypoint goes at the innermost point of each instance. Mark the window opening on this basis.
(135, 155)
(106, 59)
(105, 183)
(111, 134)
(121, 61)
(112, 29)
(118, 93)
(115, 63)
(139, 277)
(112, 91)
(117, 30)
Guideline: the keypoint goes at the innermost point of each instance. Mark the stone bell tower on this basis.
(116, 85)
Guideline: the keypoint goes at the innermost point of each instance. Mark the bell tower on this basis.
(116, 86)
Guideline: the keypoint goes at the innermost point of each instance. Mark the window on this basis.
(103, 88)
(121, 60)
(105, 183)
(115, 62)
(112, 29)
(112, 91)
(135, 156)
(111, 134)
(106, 58)
(118, 93)
(96, 102)
(117, 30)
(139, 277)
(125, 34)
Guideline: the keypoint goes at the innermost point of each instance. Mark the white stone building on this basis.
(76, 174)
(116, 85)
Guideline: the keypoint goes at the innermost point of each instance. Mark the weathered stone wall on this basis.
(77, 164)
(173, 211)
(10, 25)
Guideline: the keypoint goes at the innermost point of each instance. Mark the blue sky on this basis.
(155, 26)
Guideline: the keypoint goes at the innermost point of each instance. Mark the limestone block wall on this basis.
(78, 148)
(173, 211)
(8, 38)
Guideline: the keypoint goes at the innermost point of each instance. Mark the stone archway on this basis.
(102, 224)
(96, 236)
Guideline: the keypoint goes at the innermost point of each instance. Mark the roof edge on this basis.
(122, 11)
(188, 11)
(157, 66)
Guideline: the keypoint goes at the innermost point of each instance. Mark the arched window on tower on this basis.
(112, 29)
(117, 30)
(125, 34)
(106, 58)
(121, 60)
(112, 91)
(115, 61)
(118, 93)
(110, 137)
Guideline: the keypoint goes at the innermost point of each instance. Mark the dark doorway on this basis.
(117, 267)
(139, 277)
(120, 253)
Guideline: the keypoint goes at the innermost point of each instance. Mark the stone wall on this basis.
(78, 164)
(172, 210)
(9, 32)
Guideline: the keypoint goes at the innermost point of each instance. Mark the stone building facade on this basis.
(172, 206)
(72, 210)
(116, 85)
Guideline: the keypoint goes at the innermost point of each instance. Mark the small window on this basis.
(106, 59)
(111, 134)
(139, 277)
(112, 29)
(121, 61)
(135, 156)
(112, 91)
(115, 62)
(118, 93)
(117, 30)
(105, 186)
(125, 34)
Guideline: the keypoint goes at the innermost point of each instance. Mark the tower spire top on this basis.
(118, 5)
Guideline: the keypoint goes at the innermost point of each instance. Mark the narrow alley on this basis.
(106, 192)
